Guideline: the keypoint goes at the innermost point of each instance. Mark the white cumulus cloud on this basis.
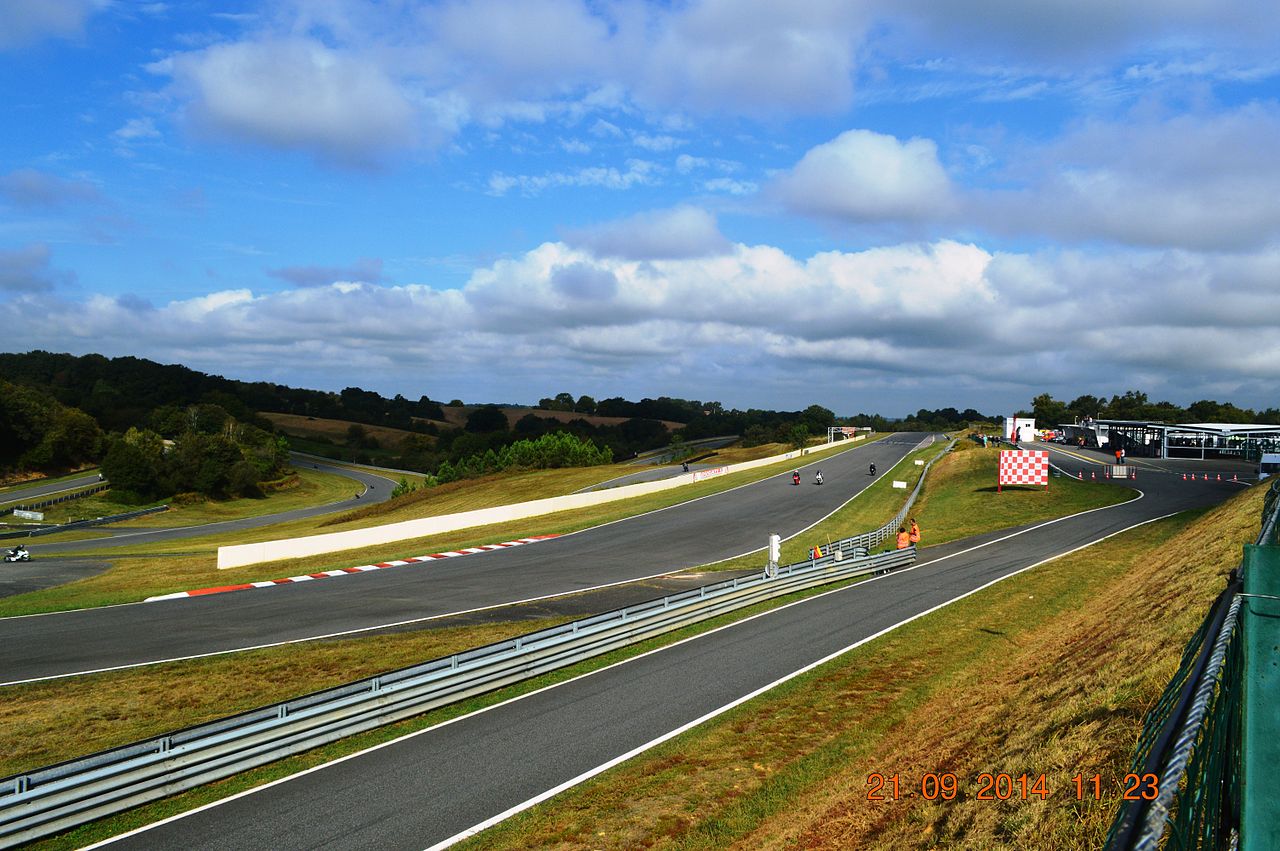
(915, 324)
(681, 232)
(864, 176)
(294, 93)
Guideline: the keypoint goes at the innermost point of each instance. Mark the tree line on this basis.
(122, 392)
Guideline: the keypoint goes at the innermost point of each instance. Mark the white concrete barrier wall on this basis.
(241, 555)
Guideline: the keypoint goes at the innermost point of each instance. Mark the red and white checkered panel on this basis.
(1024, 467)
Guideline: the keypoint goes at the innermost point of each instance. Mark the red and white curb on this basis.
(342, 571)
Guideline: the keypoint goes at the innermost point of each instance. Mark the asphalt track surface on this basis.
(35, 491)
(50, 566)
(652, 475)
(686, 535)
(26, 576)
(663, 455)
(432, 786)
(374, 488)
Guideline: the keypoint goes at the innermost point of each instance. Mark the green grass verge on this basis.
(960, 498)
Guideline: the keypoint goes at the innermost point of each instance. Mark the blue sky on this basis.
(877, 206)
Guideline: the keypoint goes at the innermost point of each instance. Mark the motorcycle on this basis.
(17, 554)
(817, 478)
(873, 470)
(795, 478)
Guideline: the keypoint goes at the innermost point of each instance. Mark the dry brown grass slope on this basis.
(1046, 673)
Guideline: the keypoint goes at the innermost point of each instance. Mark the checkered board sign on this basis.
(1024, 467)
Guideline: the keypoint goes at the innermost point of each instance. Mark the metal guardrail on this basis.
(29, 506)
(48, 800)
(84, 524)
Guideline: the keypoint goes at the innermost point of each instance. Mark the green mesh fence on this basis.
(1191, 738)
(1199, 811)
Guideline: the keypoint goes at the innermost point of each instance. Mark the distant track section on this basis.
(686, 535)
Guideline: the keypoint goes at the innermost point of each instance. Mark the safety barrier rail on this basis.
(31, 506)
(51, 799)
(85, 524)
(1207, 731)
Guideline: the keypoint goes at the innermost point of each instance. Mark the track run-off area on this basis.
(690, 534)
(450, 781)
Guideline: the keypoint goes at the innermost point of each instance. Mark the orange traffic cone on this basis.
(1093, 474)
(1184, 477)
(1082, 475)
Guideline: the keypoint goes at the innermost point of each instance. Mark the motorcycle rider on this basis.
(873, 469)
(817, 477)
(795, 477)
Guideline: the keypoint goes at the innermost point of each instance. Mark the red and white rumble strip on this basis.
(342, 571)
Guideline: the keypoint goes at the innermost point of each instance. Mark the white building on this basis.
(1020, 429)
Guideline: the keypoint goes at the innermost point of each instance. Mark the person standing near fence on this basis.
(904, 539)
(914, 534)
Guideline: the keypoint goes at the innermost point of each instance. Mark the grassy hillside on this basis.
(297, 425)
(457, 416)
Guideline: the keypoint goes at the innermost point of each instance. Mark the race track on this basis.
(429, 787)
(683, 536)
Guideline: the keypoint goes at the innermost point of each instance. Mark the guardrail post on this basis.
(1260, 749)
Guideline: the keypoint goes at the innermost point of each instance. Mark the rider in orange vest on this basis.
(904, 540)
(915, 531)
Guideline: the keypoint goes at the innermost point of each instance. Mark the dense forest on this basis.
(39, 433)
(123, 392)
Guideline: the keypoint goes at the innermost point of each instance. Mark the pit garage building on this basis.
(1143, 439)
